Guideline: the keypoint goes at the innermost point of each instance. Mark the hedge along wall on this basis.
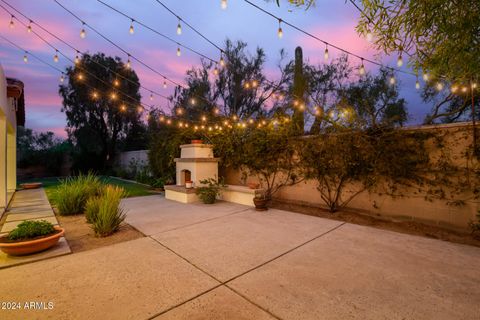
(409, 203)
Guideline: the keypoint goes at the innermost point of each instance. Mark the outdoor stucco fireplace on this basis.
(196, 163)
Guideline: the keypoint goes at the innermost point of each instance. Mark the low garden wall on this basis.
(138, 157)
(411, 203)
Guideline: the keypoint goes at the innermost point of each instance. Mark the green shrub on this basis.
(71, 196)
(31, 229)
(210, 190)
(110, 215)
(91, 208)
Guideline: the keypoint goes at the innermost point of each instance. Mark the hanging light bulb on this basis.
(325, 55)
(369, 36)
(80, 76)
(392, 80)
(223, 4)
(116, 83)
(55, 57)
(179, 27)
(151, 96)
(454, 89)
(215, 70)
(417, 84)
(77, 59)
(164, 83)
(62, 78)
(29, 27)
(425, 76)
(129, 63)
(280, 31)
(400, 60)
(179, 52)
(12, 23)
(131, 30)
(222, 61)
(361, 70)
(83, 33)
(439, 86)
(25, 57)
(192, 101)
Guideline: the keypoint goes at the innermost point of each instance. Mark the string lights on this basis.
(179, 52)
(361, 70)
(223, 4)
(280, 34)
(179, 27)
(132, 19)
(280, 31)
(25, 57)
(400, 61)
(392, 80)
(325, 54)
(253, 84)
(83, 33)
(131, 30)
(29, 27)
(55, 57)
(129, 63)
(12, 23)
(77, 59)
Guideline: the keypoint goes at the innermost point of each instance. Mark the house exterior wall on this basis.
(8, 140)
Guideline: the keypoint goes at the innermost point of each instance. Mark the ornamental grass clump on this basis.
(105, 212)
(71, 196)
(30, 230)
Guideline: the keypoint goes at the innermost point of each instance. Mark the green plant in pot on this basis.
(260, 200)
(209, 190)
(31, 237)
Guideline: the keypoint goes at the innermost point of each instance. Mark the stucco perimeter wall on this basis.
(413, 205)
(140, 157)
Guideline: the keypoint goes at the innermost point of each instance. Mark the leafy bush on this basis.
(91, 208)
(72, 194)
(31, 229)
(109, 215)
(210, 190)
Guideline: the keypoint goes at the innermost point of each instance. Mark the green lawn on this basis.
(133, 189)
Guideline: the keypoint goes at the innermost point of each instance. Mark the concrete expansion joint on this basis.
(225, 283)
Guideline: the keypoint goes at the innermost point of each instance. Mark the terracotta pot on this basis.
(260, 204)
(31, 246)
(253, 185)
(31, 185)
(196, 142)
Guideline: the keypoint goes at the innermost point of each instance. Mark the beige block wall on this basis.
(412, 206)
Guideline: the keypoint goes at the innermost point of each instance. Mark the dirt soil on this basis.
(81, 237)
(409, 227)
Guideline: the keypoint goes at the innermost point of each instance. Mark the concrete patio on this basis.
(226, 261)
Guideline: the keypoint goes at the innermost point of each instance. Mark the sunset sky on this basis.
(331, 20)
